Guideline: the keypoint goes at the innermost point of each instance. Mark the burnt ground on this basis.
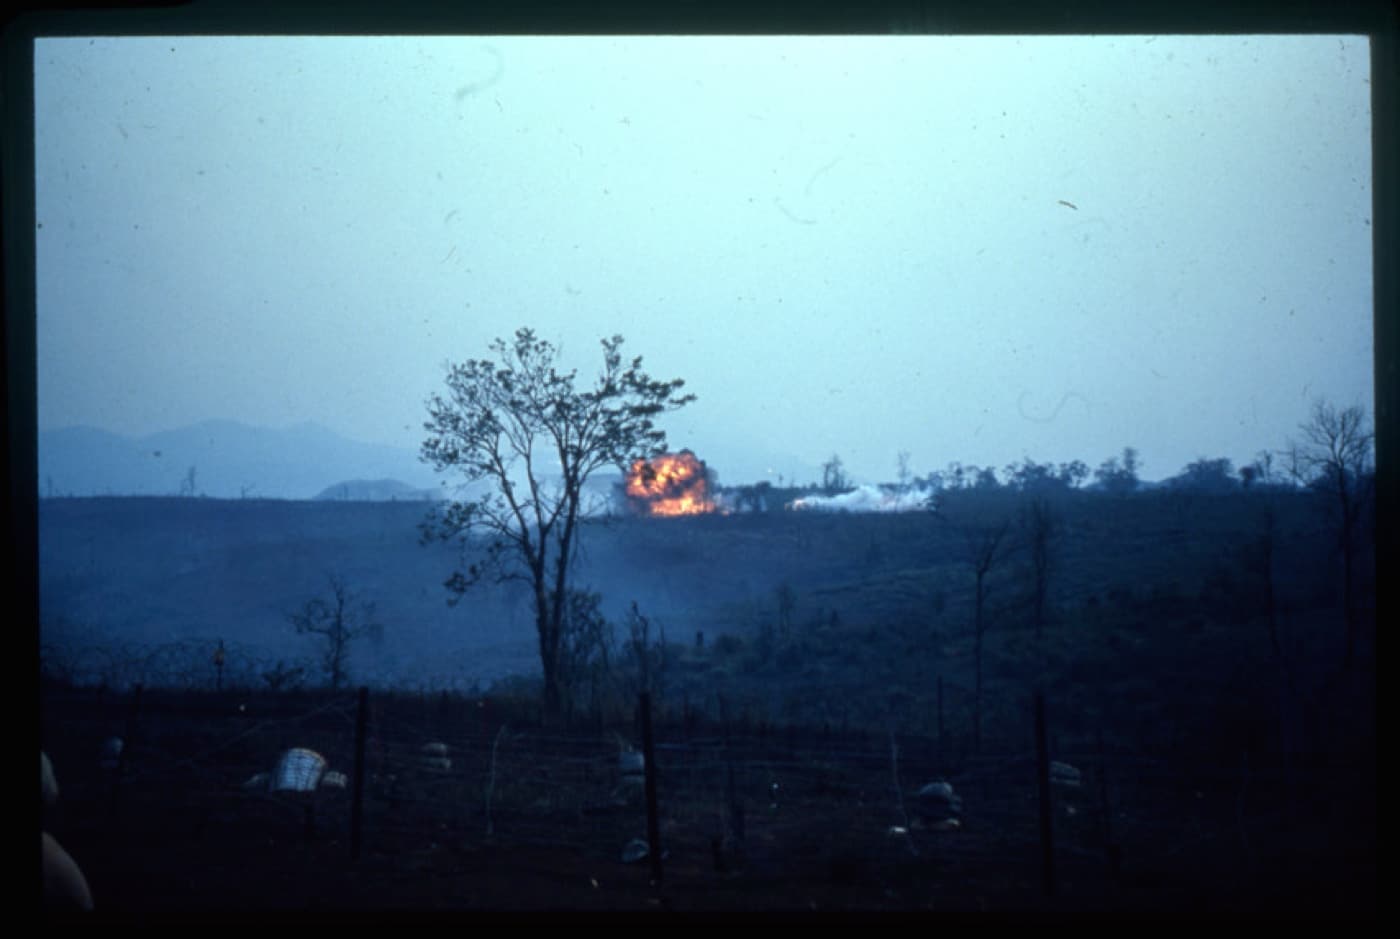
(177, 836)
(1228, 758)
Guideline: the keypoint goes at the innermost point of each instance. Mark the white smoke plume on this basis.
(868, 499)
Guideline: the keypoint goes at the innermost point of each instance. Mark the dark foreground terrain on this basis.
(761, 818)
(811, 674)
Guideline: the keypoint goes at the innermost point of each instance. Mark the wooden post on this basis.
(941, 766)
(1042, 766)
(123, 755)
(653, 822)
(736, 810)
(1112, 853)
(491, 782)
(357, 798)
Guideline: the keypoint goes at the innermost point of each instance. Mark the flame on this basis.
(670, 484)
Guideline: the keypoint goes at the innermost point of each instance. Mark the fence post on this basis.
(1042, 767)
(941, 767)
(1112, 852)
(735, 814)
(357, 800)
(653, 822)
(491, 782)
(124, 753)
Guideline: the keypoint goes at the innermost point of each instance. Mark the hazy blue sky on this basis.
(843, 245)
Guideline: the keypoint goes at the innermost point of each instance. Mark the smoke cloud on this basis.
(868, 499)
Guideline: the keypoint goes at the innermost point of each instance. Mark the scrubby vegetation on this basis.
(1221, 634)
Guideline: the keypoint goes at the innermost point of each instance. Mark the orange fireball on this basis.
(670, 484)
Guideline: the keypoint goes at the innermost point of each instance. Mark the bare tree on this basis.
(1333, 458)
(649, 658)
(955, 476)
(585, 650)
(1074, 473)
(986, 548)
(1039, 525)
(1031, 477)
(1206, 475)
(1265, 546)
(1119, 478)
(527, 429)
(338, 621)
(1259, 472)
(834, 478)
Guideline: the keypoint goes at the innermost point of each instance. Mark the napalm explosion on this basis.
(681, 484)
(670, 484)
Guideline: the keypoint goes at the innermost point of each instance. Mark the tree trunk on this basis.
(1348, 597)
(552, 606)
(1348, 507)
(549, 642)
(1266, 564)
(977, 666)
(1040, 589)
(549, 663)
(1270, 607)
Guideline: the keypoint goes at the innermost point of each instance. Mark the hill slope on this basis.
(228, 459)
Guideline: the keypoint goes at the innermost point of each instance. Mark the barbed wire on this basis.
(455, 770)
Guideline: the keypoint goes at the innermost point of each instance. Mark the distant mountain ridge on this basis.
(219, 458)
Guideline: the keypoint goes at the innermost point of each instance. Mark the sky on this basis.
(981, 249)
